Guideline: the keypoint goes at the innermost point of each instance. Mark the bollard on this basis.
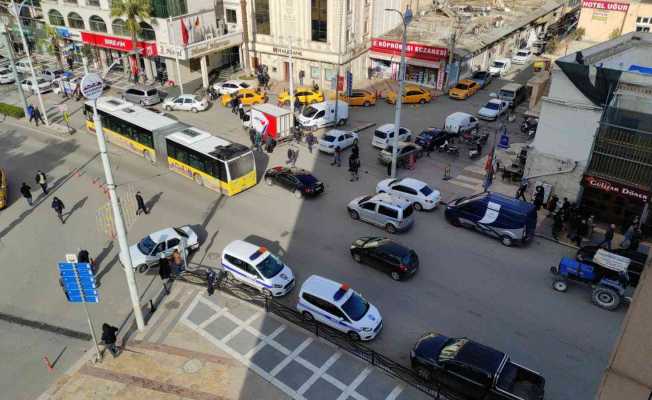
(447, 172)
(152, 307)
(46, 360)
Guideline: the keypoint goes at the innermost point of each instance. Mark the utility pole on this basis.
(245, 34)
(12, 62)
(339, 55)
(451, 50)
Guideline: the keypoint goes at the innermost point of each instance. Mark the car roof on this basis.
(387, 128)
(337, 132)
(324, 288)
(458, 115)
(497, 101)
(386, 198)
(187, 96)
(163, 234)
(467, 81)
(233, 81)
(413, 183)
(481, 356)
(511, 86)
(292, 170)
(140, 87)
(249, 252)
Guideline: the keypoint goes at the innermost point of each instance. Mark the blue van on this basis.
(510, 220)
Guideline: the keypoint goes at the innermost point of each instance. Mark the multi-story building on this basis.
(594, 141)
(602, 20)
(165, 49)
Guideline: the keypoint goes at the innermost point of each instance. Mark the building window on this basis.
(146, 32)
(646, 20)
(70, 1)
(639, 19)
(93, 3)
(642, 29)
(349, 9)
(195, 65)
(56, 18)
(97, 24)
(231, 16)
(119, 27)
(315, 73)
(319, 19)
(329, 74)
(262, 17)
(168, 8)
(75, 21)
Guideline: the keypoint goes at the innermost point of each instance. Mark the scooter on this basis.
(449, 148)
(475, 150)
(529, 126)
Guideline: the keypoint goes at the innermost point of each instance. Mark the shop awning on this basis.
(410, 61)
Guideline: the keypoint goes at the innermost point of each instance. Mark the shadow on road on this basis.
(75, 207)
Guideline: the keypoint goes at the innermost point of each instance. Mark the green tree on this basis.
(579, 33)
(134, 12)
(52, 43)
(614, 34)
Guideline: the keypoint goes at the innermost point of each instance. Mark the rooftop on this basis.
(481, 22)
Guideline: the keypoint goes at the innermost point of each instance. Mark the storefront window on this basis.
(93, 3)
(319, 20)
(262, 17)
(119, 27)
(56, 18)
(97, 24)
(75, 21)
(329, 73)
(315, 73)
(146, 32)
(422, 75)
(231, 16)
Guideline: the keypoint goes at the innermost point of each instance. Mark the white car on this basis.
(186, 102)
(500, 66)
(68, 84)
(230, 87)
(522, 56)
(255, 266)
(50, 74)
(340, 307)
(337, 138)
(7, 76)
(148, 251)
(384, 136)
(42, 85)
(493, 109)
(415, 191)
(22, 66)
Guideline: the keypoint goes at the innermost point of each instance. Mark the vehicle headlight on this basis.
(278, 286)
(367, 329)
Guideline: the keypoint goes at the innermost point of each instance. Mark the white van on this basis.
(384, 135)
(339, 307)
(256, 267)
(460, 122)
(322, 114)
(500, 66)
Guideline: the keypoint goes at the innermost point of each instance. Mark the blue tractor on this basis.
(607, 276)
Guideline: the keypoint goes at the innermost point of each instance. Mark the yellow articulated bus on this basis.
(209, 160)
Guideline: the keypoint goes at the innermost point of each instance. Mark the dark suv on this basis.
(432, 138)
(586, 253)
(386, 256)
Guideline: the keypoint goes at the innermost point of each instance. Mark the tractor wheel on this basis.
(560, 285)
(605, 297)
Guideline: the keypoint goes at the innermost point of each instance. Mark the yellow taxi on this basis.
(412, 95)
(3, 188)
(248, 97)
(305, 95)
(465, 88)
(360, 97)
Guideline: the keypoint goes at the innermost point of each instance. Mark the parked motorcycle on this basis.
(449, 148)
(475, 149)
(529, 126)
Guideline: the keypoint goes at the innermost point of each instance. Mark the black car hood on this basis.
(430, 345)
(307, 180)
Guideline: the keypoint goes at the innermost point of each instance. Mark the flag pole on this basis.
(176, 57)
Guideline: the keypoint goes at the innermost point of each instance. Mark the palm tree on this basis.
(134, 12)
(51, 42)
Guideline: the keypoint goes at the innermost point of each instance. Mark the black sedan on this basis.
(586, 253)
(385, 255)
(297, 180)
(431, 138)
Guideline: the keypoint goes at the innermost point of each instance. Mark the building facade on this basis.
(602, 20)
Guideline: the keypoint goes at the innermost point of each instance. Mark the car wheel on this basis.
(142, 268)
(307, 316)
(357, 257)
(354, 214)
(506, 241)
(354, 336)
(455, 222)
(230, 277)
(409, 138)
(424, 373)
(395, 275)
(297, 193)
(606, 298)
(168, 108)
(422, 101)
(366, 104)
(417, 206)
(419, 153)
(198, 179)
(194, 109)
(389, 228)
(560, 285)
(269, 181)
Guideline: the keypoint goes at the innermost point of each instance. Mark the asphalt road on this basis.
(468, 284)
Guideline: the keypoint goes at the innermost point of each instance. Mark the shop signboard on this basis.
(617, 188)
(412, 50)
(147, 49)
(605, 5)
(214, 44)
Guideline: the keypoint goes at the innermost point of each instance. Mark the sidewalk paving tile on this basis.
(377, 385)
(221, 327)
(410, 393)
(243, 342)
(290, 338)
(265, 324)
(243, 311)
(200, 313)
(294, 375)
(322, 390)
(268, 358)
(317, 353)
(346, 369)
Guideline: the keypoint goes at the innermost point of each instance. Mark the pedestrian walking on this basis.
(177, 262)
(141, 204)
(354, 166)
(389, 169)
(355, 150)
(164, 272)
(234, 105)
(627, 237)
(565, 210)
(581, 232)
(42, 180)
(310, 141)
(608, 237)
(241, 111)
(538, 197)
(258, 139)
(590, 226)
(30, 112)
(520, 192)
(297, 104)
(302, 74)
(37, 116)
(293, 155)
(109, 338)
(552, 204)
(252, 137)
(557, 225)
(26, 191)
(70, 61)
(337, 157)
(58, 206)
(635, 240)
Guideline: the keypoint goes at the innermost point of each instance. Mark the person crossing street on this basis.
(42, 180)
(141, 204)
(26, 191)
(58, 206)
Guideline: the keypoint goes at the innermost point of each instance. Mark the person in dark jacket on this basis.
(164, 271)
(109, 337)
(37, 116)
(354, 166)
(608, 237)
(355, 150)
(252, 137)
(42, 180)
(58, 206)
(26, 191)
(310, 141)
(565, 210)
(635, 240)
(538, 197)
(557, 225)
(141, 204)
(581, 232)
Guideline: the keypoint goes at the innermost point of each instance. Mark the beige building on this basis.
(603, 19)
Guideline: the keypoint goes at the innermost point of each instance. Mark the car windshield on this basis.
(480, 75)
(375, 242)
(309, 112)
(146, 245)
(244, 85)
(506, 94)
(362, 200)
(426, 190)
(328, 138)
(181, 232)
(498, 64)
(451, 349)
(426, 135)
(152, 92)
(522, 54)
(407, 211)
(355, 307)
(270, 267)
(492, 106)
(241, 166)
(461, 86)
(380, 134)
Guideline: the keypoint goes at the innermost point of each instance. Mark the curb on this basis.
(363, 127)
(46, 131)
(572, 246)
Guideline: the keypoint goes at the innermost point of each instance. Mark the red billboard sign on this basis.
(413, 50)
(147, 49)
(605, 5)
(611, 187)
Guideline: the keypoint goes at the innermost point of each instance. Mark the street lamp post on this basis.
(291, 72)
(405, 19)
(35, 87)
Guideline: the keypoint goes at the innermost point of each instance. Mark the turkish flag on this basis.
(184, 33)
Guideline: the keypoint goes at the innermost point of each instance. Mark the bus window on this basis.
(241, 166)
(219, 170)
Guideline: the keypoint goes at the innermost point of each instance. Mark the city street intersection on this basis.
(468, 284)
